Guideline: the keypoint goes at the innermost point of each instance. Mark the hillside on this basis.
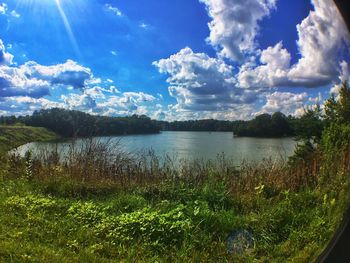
(14, 136)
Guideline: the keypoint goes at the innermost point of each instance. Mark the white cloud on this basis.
(114, 53)
(93, 100)
(201, 83)
(238, 112)
(114, 89)
(95, 92)
(25, 105)
(273, 72)
(158, 115)
(91, 80)
(35, 80)
(5, 57)
(14, 82)
(321, 37)
(234, 24)
(15, 14)
(143, 25)
(82, 102)
(286, 102)
(138, 96)
(344, 76)
(3, 9)
(69, 73)
(129, 101)
(114, 10)
(23, 87)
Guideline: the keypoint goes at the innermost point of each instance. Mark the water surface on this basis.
(193, 145)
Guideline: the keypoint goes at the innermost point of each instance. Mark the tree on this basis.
(310, 125)
(338, 109)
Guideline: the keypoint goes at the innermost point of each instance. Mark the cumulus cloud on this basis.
(14, 82)
(234, 24)
(273, 71)
(286, 102)
(93, 100)
(128, 101)
(321, 37)
(25, 105)
(35, 80)
(95, 92)
(138, 96)
(69, 73)
(82, 102)
(344, 76)
(5, 57)
(237, 112)
(199, 82)
(22, 89)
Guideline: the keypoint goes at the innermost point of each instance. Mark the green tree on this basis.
(310, 125)
(338, 109)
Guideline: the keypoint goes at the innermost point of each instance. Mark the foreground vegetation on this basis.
(102, 205)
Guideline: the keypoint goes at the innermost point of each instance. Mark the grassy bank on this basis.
(14, 136)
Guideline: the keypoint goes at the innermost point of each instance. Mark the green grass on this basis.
(16, 135)
(164, 223)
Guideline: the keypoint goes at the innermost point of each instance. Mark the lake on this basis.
(194, 145)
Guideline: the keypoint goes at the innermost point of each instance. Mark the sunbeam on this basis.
(68, 27)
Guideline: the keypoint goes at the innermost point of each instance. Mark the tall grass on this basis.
(104, 161)
(93, 202)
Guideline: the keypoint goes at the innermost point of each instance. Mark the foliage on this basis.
(265, 125)
(338, 109)
(336, 139)
(199, 125)
(308, 128)
(70, 123)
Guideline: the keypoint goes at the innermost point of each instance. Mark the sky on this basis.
(171, 60)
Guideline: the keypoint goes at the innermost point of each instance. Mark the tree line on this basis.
(71, 123)
(199, 125)
(264, 125)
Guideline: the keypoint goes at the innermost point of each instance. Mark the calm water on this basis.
(205, 145)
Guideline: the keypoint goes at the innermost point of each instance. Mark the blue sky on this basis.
(183, 59)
